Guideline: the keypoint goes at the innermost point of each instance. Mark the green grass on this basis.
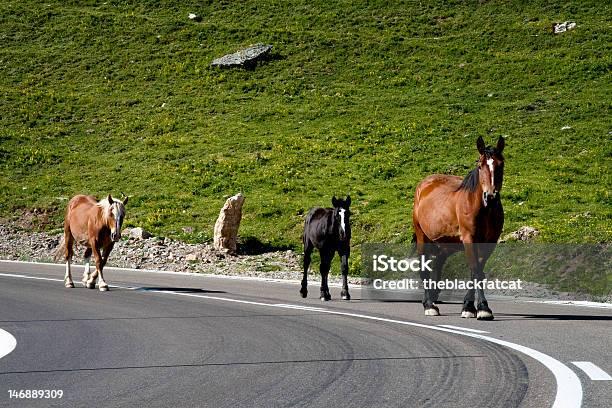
(361, 97)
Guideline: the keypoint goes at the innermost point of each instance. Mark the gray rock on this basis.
(524, 233)
(244, 58)
(139, 233)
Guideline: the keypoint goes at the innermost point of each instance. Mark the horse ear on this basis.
(501, 143)
(334, 201)
(348, 200)
(125, 200)
(110, 199)
(480, 144)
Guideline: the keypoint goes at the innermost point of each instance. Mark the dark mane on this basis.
(470, 182)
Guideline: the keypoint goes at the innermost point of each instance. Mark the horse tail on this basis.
(307, 221)
(59, 252)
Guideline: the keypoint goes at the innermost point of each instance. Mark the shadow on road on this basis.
(179, 290)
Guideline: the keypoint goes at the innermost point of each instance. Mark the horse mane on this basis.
(470, 182)
(105, 206)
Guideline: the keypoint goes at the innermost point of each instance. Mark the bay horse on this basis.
(329, 231)
(468, 211)
(97, 226)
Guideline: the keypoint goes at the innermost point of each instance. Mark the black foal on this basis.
(329, 231)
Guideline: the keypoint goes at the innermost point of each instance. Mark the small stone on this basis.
(191, 257)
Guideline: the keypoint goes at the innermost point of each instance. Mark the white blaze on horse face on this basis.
(490, 164)
(342, 223)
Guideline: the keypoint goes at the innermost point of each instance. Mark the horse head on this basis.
(114, 212)
(342, 216)
(490, 169)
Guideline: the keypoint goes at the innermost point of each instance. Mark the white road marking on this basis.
(7, 343)
(194, 274)
(463, 328)
(595, 373)
(285, 281)
(569, 388)
(583, 303)
(299, 307)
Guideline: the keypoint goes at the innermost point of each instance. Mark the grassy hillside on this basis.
(360, 96)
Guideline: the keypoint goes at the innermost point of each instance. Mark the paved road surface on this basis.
(177, 340)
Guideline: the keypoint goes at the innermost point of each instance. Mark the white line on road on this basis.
(583, 303)
(463, 328)
(569, 388)
(193, 274)
(7, 343)
(595, 373)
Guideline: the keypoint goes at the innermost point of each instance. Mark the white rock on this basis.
(559, 28)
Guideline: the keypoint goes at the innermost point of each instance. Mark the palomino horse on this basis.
(449, 209)
(329, 231)
(97, 226)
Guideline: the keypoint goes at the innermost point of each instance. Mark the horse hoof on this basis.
(90, 285)
(346, 297)
(304, 293)
(466, 314)
(103, 288)
(325, 299)
(484, 315)
(432, 312)
(69, 285)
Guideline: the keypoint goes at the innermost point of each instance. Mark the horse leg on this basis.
(422, 242)
(102, 285)
(438, 265)
(326, 259)
(68, 250)
(344, 256)
(91, 281)
(308, 248)
(482, 312)
(87, 257)
(428, 295)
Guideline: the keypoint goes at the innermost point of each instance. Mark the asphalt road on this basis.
(177, 340)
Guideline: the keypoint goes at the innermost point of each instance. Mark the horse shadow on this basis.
(176, 289)
(253, 246)
(560, 317)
